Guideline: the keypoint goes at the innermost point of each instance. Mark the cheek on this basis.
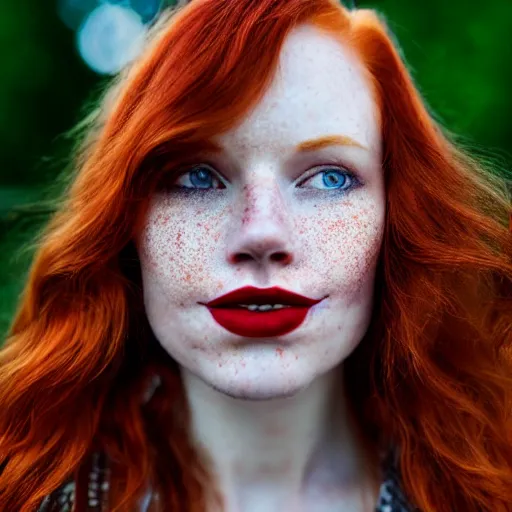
(177, 244)
(343, 242)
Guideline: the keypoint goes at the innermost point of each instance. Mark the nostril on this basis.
(238, 258)
(281, 257)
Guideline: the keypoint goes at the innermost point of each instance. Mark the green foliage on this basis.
(458, 52)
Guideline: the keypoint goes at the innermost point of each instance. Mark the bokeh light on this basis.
(109, 33)
(110, 37)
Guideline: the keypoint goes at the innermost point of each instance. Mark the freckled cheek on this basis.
(345, 246)
(178, 246)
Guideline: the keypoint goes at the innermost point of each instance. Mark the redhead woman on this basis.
(274, 283)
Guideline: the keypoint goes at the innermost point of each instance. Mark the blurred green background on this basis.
(459, 52)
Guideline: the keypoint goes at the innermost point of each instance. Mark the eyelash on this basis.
(342, 169)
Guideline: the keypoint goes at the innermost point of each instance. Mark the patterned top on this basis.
(391, 498)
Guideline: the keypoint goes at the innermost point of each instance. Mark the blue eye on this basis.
(333, 179)
(203, 178)
(200, 177)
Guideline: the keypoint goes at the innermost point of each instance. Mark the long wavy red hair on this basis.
(433, 374)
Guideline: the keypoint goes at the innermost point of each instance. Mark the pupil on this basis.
(201, 178)
(333, 178)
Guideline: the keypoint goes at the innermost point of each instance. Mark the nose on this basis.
(263, 231)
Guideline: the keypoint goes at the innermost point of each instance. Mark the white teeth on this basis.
(262, 307)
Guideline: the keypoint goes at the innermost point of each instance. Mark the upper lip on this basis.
(252, 295)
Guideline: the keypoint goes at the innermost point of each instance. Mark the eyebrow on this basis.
(327, 140)
(306, 145)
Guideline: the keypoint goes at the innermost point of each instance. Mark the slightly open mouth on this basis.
(259, 323)
(254, 307)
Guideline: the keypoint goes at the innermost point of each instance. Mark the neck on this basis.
(275, 454)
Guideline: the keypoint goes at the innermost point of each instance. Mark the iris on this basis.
(334, 178)
(201, 178)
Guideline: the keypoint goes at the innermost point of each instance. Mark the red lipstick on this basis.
(231, 311)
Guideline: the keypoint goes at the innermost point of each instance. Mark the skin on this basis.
(270, 413)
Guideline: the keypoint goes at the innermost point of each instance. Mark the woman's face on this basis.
(263, 213)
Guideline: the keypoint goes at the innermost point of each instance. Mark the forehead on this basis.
(319, 89)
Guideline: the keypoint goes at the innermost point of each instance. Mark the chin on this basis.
(257, 389)
(256, 394)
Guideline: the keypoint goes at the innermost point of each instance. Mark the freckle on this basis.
(245, 218)
(188, 277)
(279, 352)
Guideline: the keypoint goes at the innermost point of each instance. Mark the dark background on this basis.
(458, 51)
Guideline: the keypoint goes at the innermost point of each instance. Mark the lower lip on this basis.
(260, 324)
